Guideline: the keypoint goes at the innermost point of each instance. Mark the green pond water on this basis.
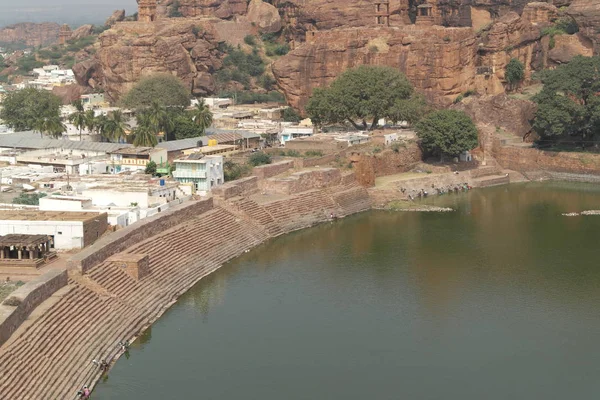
(497, 300)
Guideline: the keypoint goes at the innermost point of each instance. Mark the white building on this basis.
(205, 172)
(293, 132)
(136, 158)
(68, 230)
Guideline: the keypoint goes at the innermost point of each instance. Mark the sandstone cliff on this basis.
(186, 48)
(587, 15)
(440, 62)
(30, 34)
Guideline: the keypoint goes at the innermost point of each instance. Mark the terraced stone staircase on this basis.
(52, 358)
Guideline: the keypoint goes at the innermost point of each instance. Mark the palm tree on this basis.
(115, 128)
(202, 116)
(101, 125)
(160, 118)
(50, 126)
(78, 117)
(145, 132)
(90, 120)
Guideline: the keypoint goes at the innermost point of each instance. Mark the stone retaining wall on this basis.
(126, 237)
(529, 159)
(305, 180)
(28, 297)
(270, 170)
(240, 187)
(317, 161)
(369, 166)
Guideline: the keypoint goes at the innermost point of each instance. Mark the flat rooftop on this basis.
(33, 215)
(22, 240)
(136, 150)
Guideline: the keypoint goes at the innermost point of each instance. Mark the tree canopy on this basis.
(447, 133)
(362, 96)
(30, 109)
(164, 89)
(515, 72)
(569, 103)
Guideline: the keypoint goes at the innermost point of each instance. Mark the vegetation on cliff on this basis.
(447, 133)
(363, 95)
(165, 89)
(569, 103)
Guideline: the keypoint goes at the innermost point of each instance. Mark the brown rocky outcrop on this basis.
(587, 15)
(185, 48)
(440, 62)
(82, 31)
(224, 9)
(30, 34)
(264, 15)
(568, 46)
(510, 114)
(69, 93)
(116, 16)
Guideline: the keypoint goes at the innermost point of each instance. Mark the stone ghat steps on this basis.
(302, 210)
(353, 200)
(491, 180)
(259, 214)
(53, 358)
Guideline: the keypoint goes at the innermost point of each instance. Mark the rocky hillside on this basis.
(441, 62)
(29, 34)
(467, 49)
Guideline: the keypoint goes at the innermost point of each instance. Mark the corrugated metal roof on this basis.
(245, 134)
(32, 140)
(183, 144)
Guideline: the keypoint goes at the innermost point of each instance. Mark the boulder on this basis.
(264, 15)
(587, 15)
(568, 46)
(82, 31)
(116, 16)
(505, 112)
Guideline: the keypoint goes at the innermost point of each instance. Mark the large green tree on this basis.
(27, 109)
(569, 103)
(164, 89)
(362, 96)
(447, 133)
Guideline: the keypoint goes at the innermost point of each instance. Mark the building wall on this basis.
(118, 198)
(94, 228)
(205, 174)
(57, 204)
(67, 234)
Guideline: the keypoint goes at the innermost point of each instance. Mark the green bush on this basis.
(396, 146)
(233, 171)
(292, 153)
(259, 158)
(27, 63)
(314, 153)
(515, 71)
(150, 168)
(250, 40)
(30, 199)
(291, 115)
